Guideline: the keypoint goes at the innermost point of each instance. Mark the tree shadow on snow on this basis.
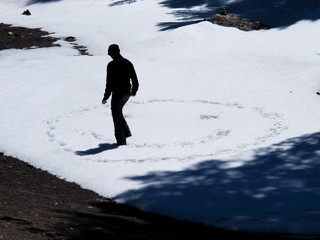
(283, 178)
(101, 148)
(30, 2)
(120, 2)
(273, 13)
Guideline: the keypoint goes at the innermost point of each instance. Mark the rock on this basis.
(26, 12)
(70, 39)
(232, 20)
(223, 12)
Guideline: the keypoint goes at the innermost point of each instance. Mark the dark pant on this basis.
(121, 128)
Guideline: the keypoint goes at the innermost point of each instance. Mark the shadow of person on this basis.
(101, 148)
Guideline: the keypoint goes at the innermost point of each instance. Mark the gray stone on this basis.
(232, 20)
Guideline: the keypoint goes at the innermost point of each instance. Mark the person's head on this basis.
(113, 50)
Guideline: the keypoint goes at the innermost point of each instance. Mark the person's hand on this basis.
(104, 101)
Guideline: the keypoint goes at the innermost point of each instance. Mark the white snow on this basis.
(226, 123)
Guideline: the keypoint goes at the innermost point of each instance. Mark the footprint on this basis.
(62, 144)
(208, 117)
(177, 146)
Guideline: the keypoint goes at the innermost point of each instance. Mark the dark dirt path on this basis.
(36, 205)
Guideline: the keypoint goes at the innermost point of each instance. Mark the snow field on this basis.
(225, 122)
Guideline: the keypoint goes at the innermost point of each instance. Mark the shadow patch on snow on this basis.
(101, 148)
(121, 2)
(164, 26)
(280, 181)
(274, 13)
(30, 2)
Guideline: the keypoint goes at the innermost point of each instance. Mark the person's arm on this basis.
(108, 89)
(134, 80)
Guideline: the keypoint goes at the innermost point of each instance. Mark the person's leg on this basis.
(127, 132)
(121, 128)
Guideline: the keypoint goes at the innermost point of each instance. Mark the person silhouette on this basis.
(121, 82)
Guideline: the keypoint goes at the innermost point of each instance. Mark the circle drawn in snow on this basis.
(168, 129)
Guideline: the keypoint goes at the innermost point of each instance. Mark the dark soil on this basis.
(21, 38)
(36, 205)
(82, 49)
(28, 38)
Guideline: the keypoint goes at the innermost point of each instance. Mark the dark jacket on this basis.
(119, 73)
